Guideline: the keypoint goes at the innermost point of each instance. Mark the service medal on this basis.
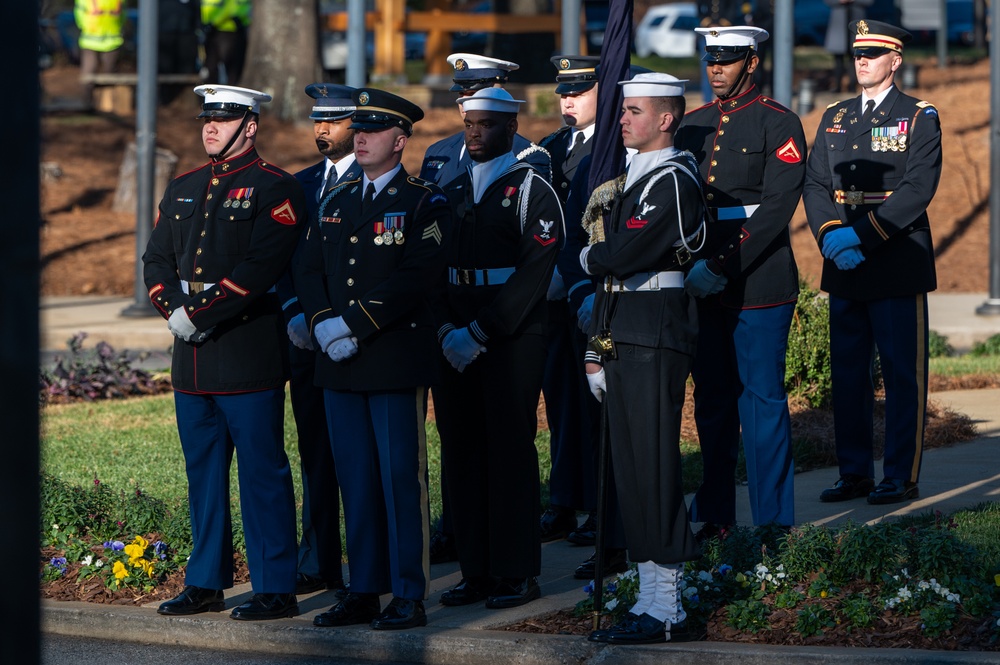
(505, 203)
(227, 203)
(378, 240)
(387, 237)
(398, 236)
(246, 204)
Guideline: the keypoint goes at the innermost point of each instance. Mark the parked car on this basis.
(667, 31)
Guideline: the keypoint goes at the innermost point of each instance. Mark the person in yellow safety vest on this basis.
(100, 23)
(225, 23)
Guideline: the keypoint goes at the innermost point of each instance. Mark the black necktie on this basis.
(577, 144)
(366, 202)
(869, 109)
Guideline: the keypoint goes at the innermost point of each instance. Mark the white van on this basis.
(667, 31)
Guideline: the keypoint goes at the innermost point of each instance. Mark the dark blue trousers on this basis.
(739, 377)
(380, 447)
(897, 328)
(319, 548)
(210, 427)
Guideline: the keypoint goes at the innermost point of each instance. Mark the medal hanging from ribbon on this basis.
(507, 193)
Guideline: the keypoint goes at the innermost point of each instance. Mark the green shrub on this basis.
(807, 362)
(990, 347)
(939, 346)
(865, 552)
(806, 550)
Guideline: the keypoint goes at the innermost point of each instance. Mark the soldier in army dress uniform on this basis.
(492, 325)
(872, 172)
(369, 261)
(224, 235)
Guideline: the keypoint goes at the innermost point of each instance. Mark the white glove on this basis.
(598, 384)
(583, 259)
(557, 288)
(584, 314)
(298, 333)
(179, 324)
(342, 349)
(460, 348)
(329, 331)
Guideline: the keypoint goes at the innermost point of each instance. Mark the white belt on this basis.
(736, 212)
(191, 288)
(482, 277)
(647, 281)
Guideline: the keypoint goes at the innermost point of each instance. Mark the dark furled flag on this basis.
(608, 152)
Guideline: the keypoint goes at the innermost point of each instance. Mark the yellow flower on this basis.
(141, 542)
(119, 570)
(134, 552)
(996, 578)
(823, 594)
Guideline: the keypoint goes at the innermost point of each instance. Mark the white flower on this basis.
(705, 575)
(55, 527)
(611, 604)
(87, 560)
(99, 564)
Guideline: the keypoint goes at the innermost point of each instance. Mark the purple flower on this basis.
(160, 549)
(58, 561)
(589, 589)
(612, 587)
(725, 569)
(117, 545)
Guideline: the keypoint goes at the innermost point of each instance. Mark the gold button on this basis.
(854, 167)
(743, 149)
(722, 132)
(711, 178)
(231, 218)
(215, 181)
(350, 281)
(351, 262)
(209, 197)
(354, 239)
(710, 196)
(206, 217)
(725, 118)
(190, 308)
(350, 302)
(197, 270)
(203, 233)
(715, 163)
(855, 146)
(204, 300)
(225, 167)
(717, 149)
(177, 216)
(198, 251)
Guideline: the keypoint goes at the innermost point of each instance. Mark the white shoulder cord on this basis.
(677, 196)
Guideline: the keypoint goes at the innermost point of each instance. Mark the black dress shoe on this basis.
(711, 530)
(340, 590)
(193, 600)
(401, 613)
(891, 490)
(614, 562)
(681, 632)
(847, 488)
(442, 547)
(263, 606)
(601, 634)
(470, 590)
(586, 533)
(355, 608)
(557, 522)
(308, 584)
(513, 592)
(644, 630)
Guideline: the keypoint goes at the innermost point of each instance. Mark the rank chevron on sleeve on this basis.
(433, 232)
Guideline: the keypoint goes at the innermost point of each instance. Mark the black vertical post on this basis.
(19, 279)
(992, 305)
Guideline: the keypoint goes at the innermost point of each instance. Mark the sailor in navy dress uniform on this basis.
(751, 152)
(569, 408)
(871, 175)
(320, 556)
(448, 159)
(369, 262)
(224, 235)
(492, 326)
(645, 327)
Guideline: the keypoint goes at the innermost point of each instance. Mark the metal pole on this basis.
(783, 51)
(992, 305)
(570, 27)
(145, 149)
(603, 469)
(357, 63)
(942, 35)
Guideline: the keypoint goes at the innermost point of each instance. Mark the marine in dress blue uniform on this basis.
(369, 262)
(447, 159)
(649, 326)
(224, 235)
(751, 152)
(569, 408)
(870, 179)
(492, 325)
(320, 556)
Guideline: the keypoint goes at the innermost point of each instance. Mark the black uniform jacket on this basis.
(233, 224)
(517, 224)
(643, 236)
(899, 151)
(564, 164)
(751, 151)
(380, 288)
(444, 161)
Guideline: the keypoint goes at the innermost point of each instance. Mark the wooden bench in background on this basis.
(115, 93)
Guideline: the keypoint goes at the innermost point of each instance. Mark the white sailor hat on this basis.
(491, 99)
(475, 72)
(653, 84)
(333, 101)
(729, 43)
(228, 101)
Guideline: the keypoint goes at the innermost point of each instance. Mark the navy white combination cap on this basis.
(729, 43)
(475, 72)
(653, 84)
(228, 101)
(333, 101)
(491, 99)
